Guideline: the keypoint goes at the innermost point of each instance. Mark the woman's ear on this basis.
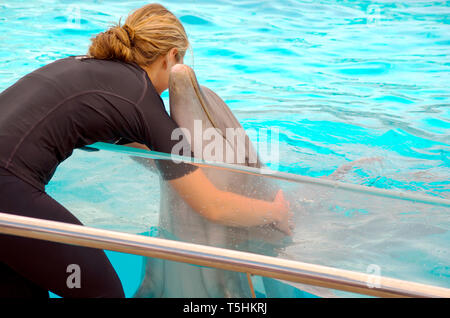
(170, 59)
(174, 55)
(174, 52)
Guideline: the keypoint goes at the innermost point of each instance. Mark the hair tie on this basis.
(130, 32)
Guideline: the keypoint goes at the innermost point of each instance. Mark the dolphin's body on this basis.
(189, 102)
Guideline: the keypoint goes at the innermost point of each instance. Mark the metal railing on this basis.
(226, 259)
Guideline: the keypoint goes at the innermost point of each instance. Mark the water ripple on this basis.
(382, 67)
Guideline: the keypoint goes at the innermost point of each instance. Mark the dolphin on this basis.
(192, 104)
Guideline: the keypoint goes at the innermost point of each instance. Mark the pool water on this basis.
(341, 80)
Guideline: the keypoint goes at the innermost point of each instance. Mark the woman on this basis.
(113, 94)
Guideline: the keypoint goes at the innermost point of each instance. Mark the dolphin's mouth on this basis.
(200, 96)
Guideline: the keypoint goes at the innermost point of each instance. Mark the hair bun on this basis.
(148, 33)
(130, 32)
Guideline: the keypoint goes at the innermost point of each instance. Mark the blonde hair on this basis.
(148, 32)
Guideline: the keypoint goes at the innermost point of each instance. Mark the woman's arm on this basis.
(228, 208)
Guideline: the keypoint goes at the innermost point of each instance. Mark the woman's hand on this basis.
(284, 215)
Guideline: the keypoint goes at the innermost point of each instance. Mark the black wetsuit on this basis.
(44, 116)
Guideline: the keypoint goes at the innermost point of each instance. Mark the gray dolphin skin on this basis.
(190, 102)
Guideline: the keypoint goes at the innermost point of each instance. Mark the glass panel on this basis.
(115, 188)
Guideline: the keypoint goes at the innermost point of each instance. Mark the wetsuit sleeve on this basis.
(160, 129)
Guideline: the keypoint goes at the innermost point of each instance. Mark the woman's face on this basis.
(169, 61)
(159, 71)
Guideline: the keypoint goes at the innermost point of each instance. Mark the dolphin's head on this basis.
(190, 102)
(186, 101)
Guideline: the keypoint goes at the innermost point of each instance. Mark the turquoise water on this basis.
(341, 80)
